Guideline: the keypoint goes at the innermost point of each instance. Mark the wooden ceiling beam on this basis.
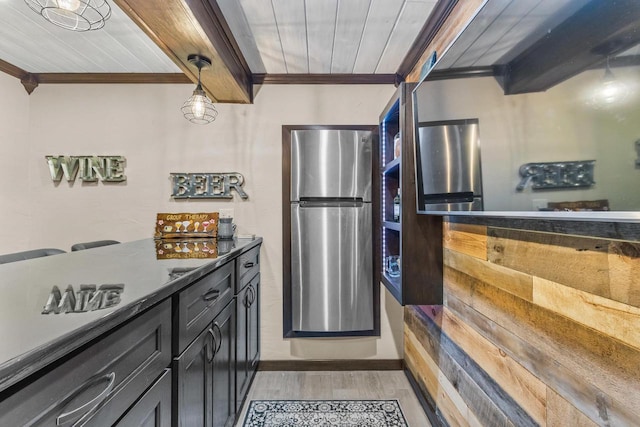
(598, 30)
(184, 27)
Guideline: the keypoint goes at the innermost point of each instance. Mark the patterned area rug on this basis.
(342, 413)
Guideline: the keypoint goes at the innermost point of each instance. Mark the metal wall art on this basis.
(88, 298)
(89, 168)
(207, 185)
(548, 176)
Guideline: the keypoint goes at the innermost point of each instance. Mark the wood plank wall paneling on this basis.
(484, 398)
(526, 389)
(450, 407)
(564, 351)
(466, 238)
(562, 413)
(624, 272)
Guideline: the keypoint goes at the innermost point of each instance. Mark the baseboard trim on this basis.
(332, 365)
(427, 403)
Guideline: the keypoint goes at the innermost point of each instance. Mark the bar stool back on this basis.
(35, 253)
(96, 244)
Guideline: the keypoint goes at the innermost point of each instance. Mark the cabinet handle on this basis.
(211, 295)
(248, 264)
(211, 353)
(219, 341)
(252, 295)
(245, 299)
(91, 405)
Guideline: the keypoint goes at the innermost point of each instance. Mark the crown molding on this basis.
(326, 79)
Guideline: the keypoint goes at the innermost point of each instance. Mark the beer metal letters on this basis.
(90, 168)
(88, 298)
(548, 176)
(207, 185)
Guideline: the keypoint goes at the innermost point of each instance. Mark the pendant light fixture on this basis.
(610, 90)
(75, 15)
(199, 108)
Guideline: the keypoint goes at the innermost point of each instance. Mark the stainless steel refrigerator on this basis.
(331, 231)
(448, 166)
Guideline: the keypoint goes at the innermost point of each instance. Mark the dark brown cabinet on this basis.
(205, 376)
(214, 371)
(153, 409)
(247, 337)
(98, 385)
(409, 245)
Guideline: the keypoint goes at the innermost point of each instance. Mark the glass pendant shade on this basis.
(75, 15)
(609, 92)
(199, 108)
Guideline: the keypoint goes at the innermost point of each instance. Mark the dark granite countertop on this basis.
(30, 340)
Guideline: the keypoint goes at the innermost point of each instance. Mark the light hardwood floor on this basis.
(312, 385)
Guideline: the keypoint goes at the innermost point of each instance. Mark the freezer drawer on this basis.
(331, 164)
(331, 268)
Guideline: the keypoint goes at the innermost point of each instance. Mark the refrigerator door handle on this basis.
(335, 203)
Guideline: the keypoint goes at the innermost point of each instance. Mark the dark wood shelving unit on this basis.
(391, 225)
(393, 167)
(416, 239)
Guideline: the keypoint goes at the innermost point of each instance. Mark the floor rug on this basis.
(329, 413)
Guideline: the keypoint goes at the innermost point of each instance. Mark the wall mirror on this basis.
(534, 111)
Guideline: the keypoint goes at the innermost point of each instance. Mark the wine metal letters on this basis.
(91, 168)
(207, 185)
(88, 298)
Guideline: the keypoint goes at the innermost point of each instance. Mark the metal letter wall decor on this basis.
(88, 298)
(207, 185)
(548, 176)
(90, 168)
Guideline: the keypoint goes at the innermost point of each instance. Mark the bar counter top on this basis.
(31, 339)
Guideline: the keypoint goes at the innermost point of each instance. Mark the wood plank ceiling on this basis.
(326, 36)
(249, 41)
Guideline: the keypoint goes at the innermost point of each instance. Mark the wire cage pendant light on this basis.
(199, 108)
(609, 92)
(75, 15)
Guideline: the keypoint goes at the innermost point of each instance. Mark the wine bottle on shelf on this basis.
(396, 207)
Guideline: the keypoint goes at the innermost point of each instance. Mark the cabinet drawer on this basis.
(201, 302)
(248, 265)
(154, 407)
(98, 385)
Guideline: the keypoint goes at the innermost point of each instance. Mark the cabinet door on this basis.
(253, 328)
(194, 390)
(247, 338)
(223, 391)
(242, 345)
(153, 409)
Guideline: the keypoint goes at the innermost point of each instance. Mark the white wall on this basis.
(144, 124)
